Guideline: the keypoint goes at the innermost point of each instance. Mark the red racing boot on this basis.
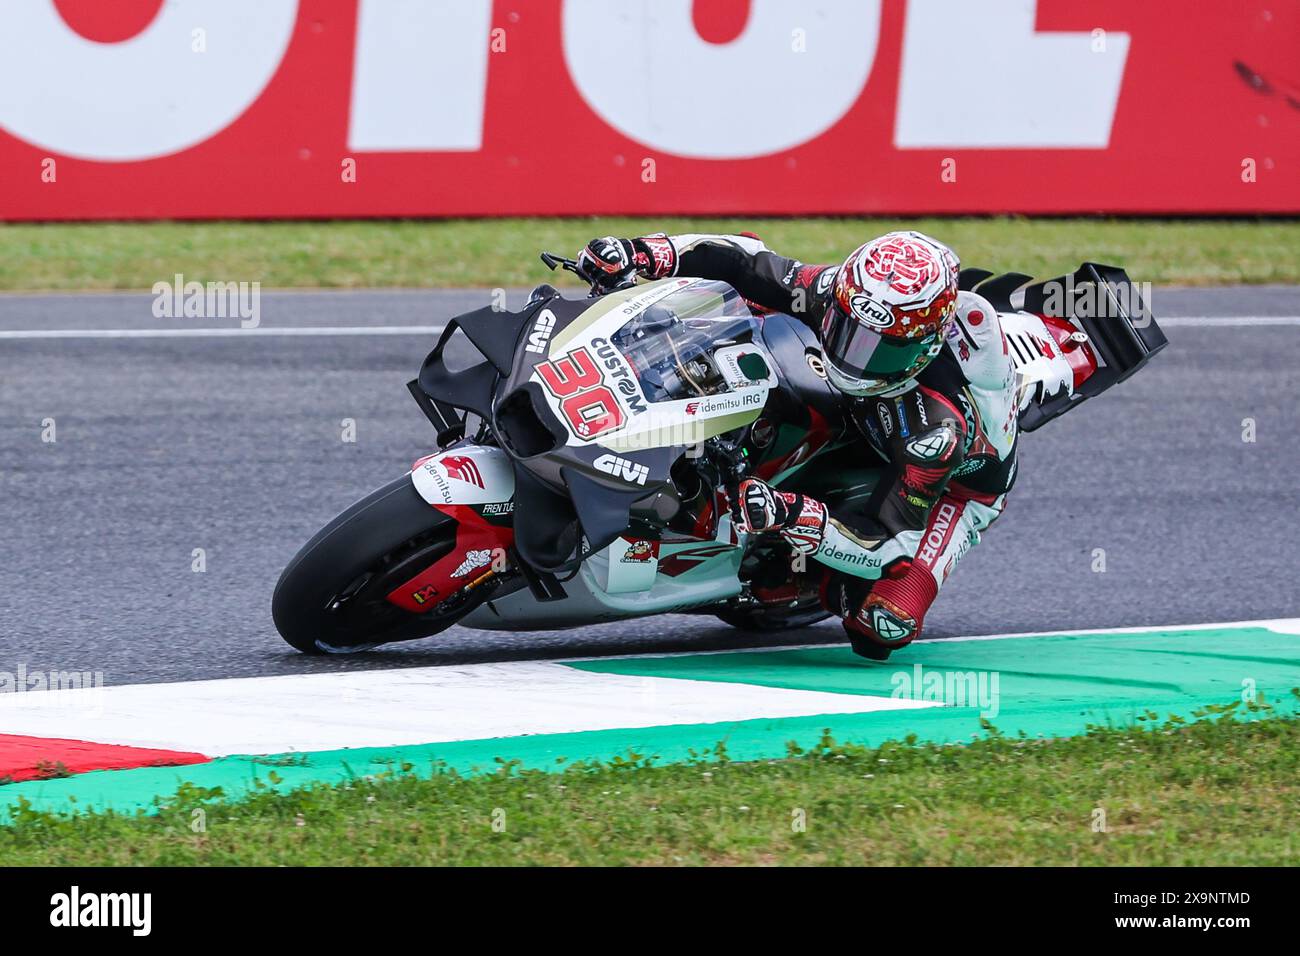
(888, 616)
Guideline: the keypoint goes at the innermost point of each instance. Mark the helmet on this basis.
(890, 306)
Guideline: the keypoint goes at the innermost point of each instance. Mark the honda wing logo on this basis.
(630, 471)
(463, 468)
(543, 326)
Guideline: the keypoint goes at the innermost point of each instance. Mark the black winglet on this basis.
(494, 333)
(968, 279)
(999, 289)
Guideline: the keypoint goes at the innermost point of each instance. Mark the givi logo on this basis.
(543, 326)
(630, 471)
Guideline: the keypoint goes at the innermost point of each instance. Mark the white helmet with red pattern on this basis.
(892, 302)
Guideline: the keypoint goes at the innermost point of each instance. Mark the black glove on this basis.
(761, 507)
(608, 263)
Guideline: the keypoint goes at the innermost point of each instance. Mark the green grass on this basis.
(503, 252)
(1219, 792)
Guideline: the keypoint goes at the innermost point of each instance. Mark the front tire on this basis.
(332, 597)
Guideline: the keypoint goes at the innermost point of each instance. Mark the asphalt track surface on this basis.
(232, 443)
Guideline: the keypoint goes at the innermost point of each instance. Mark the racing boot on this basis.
(881, 616)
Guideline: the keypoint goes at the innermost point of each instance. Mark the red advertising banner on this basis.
(323, 108)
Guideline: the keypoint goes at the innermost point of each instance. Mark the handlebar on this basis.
(553, 262)
(729, 459)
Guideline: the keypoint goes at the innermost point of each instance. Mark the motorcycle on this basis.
(590, 450)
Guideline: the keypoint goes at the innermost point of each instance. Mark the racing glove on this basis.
(798, 519)
(610, 262)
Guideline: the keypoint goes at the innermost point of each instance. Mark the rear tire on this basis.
(332, 597)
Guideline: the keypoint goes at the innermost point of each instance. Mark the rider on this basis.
(932, 389)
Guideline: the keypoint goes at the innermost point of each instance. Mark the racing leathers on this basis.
(948, 436)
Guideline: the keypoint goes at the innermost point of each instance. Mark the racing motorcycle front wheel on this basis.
(332, 597)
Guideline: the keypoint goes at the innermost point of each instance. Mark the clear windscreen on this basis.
(671, 344)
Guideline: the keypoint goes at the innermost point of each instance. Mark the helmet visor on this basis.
(859, 352)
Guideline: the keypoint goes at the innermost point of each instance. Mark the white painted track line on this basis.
(1226, 321)
(284, 713)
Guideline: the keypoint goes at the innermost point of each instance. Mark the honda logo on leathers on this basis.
(632, 471)
(938, 533)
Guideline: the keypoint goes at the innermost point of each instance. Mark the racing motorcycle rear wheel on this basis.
(332, 597)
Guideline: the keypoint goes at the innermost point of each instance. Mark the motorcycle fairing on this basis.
(595, 401)
(672, 354)
(630, 565)
(691, 574)
(479, 544)
(475, 486)
(465, 474)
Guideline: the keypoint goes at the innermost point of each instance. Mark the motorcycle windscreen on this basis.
(673, 345)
